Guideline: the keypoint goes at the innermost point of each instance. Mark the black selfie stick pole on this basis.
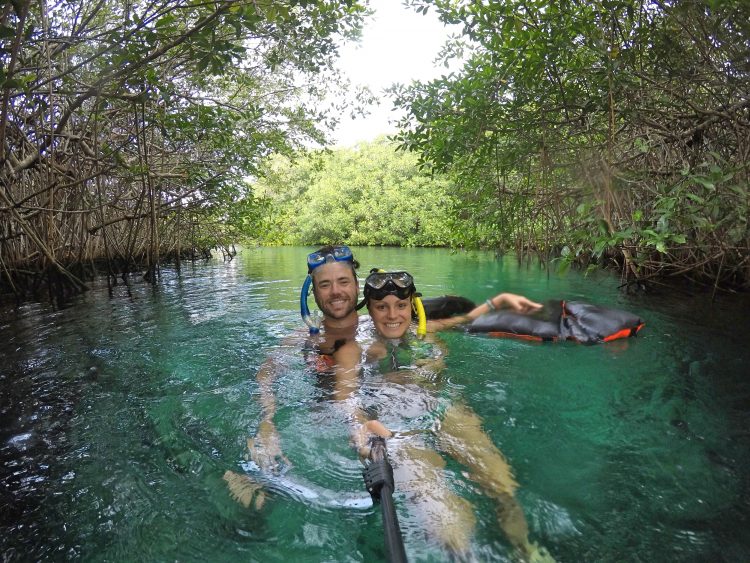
(379, 482)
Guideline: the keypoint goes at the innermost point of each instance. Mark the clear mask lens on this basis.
(379, 279)
(339, 254)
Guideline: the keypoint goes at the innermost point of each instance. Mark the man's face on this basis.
(335, 289)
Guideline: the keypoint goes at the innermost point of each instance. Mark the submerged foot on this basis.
(244, 489)
(537, 554)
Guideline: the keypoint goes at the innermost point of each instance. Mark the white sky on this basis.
(398, 45)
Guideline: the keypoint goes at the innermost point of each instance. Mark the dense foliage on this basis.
(126, 128)
(597, 130)
(602, 132)
(366, 195)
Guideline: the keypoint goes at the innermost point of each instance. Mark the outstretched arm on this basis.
(347, 381)
(265, 447)
(516, 303)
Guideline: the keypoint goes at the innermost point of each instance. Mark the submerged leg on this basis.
(462, 437)
(419, 475)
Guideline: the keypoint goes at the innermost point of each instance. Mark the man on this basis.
(336, 293)
(332, 270)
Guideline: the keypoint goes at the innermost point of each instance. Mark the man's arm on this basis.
(265, 448)
(346, 372)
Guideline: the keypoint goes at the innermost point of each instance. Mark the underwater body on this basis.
(121, 413)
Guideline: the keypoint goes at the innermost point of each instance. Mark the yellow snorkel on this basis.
(416, 303)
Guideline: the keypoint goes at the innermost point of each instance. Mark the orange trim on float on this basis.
(624, 333)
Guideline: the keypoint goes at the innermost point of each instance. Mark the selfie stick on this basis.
(378, 477)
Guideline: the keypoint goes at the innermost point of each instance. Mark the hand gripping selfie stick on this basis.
(378, 477)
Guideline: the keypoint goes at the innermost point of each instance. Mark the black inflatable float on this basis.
(446, 306)
(558, 320)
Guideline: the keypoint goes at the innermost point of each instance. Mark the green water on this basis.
(120, 413)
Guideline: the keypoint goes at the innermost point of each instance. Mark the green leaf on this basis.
(7, 32)
(705, 182)
(563, 267)
(12, 83)
(599, 247)
(166, 21)
(641, 145)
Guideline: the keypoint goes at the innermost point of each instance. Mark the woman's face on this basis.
(391, 315)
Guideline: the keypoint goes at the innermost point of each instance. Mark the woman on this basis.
(390, 298)
(395, 291)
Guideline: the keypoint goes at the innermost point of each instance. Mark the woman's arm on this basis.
(516, 303)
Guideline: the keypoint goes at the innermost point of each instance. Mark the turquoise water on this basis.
(120, 413)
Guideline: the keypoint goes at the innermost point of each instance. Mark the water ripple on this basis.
(121, 412)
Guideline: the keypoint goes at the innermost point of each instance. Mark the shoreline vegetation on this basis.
(588, 135)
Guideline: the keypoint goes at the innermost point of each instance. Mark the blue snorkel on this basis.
(304, 310)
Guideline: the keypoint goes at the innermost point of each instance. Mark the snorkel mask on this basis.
(337, 254)
(401, 284)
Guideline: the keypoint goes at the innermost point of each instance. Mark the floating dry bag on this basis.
(558, 320)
